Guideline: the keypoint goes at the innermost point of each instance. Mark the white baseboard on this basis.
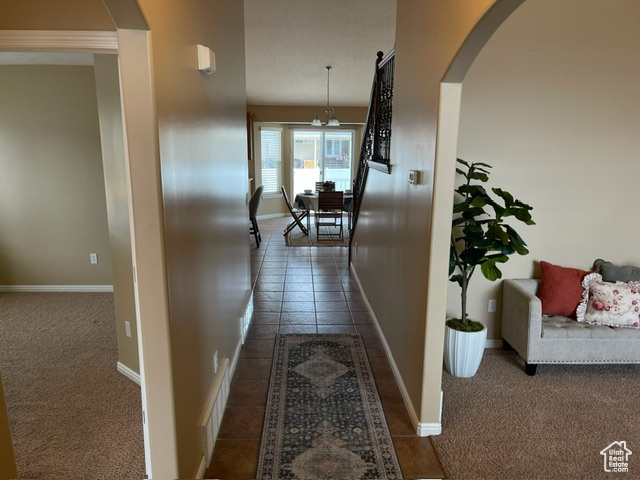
(270, 215)
(427, 429)
(216, 406)
(422, 429)
(493, 343)
(245, 320)
(127, 372)
(56, 288)
(202, 468)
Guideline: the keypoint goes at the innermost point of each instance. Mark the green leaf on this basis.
(460, 207)
(506, 196)
(472, 190)
(473, 256)
(477, 175)
(479, 202)
(459, 160)
(483, 164)
(515, 241)
(524, 216)
(496, 231)
(490, 271)
(456, 279)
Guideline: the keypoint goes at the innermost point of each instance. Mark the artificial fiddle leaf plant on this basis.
(480, 237)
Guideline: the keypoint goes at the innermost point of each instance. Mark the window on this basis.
(271, 159)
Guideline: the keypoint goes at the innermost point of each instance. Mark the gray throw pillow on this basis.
(614, 273)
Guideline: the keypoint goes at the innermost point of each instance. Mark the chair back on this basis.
(254, 203)
(286, 198)
(330, 201)
(319, 186)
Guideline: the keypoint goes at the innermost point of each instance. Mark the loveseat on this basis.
(542, 339)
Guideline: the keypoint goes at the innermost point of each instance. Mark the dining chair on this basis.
(329, 213)
(254, 204)
(319, 186)
(298, 215)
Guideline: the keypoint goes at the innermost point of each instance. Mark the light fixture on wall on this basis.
(332, 121)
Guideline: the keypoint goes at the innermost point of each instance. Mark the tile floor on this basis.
(304, 290)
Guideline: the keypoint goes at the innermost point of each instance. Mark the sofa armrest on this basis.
(521, 315)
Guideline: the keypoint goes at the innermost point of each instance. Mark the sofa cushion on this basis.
(615, 273)
(559, 327)
(613, 304)
(561, 289)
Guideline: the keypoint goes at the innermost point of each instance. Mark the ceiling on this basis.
(288, 43)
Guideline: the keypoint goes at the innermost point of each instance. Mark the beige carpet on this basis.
(72, 415)
(502, 424)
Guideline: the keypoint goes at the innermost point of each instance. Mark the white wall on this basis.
(553, 103)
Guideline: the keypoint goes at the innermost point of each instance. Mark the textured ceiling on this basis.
(289, 42)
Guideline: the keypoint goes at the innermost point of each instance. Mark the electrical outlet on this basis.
(93, 258)
(493, 304)
(215, 362)
(127, 328)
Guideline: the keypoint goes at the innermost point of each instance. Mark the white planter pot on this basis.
(463, 351)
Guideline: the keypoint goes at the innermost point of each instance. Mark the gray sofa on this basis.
(556, 339)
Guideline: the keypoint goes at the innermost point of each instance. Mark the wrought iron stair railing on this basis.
(376, 142)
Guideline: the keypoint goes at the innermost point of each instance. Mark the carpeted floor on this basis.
(72, 415)
(502, 424)
(324, 419)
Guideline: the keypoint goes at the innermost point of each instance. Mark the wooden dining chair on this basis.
(254, 204)
(319, 186)
(329, 214)
(296, 214)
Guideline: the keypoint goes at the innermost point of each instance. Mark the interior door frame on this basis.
(133, 48)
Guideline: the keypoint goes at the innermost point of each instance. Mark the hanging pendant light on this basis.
(332, 121)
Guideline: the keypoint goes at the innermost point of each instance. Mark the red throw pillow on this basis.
(560, 289)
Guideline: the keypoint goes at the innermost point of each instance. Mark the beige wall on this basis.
(553, 103)
(116, 186)
(304, 114)
(202, 136)
(52, 193)
(394, 225)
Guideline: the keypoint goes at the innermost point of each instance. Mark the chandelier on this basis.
(332, 121)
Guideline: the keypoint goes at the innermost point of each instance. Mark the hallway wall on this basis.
(553, 103)
(394, 225)
(203, 159)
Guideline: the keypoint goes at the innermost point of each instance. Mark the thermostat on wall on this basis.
(414, 177)
(206, 60)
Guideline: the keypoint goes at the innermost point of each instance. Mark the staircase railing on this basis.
(376, 141)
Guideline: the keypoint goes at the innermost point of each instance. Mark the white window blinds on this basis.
(271, 159)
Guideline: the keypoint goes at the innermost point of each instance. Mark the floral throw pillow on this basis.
(613, 304)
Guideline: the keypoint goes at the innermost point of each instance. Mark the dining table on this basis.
(309, 202)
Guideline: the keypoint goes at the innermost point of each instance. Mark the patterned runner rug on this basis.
(324, 419)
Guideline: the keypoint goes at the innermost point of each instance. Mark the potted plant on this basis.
(480, 237)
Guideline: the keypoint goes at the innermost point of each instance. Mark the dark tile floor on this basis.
(305, 290)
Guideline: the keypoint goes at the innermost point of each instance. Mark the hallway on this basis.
(305, 290)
